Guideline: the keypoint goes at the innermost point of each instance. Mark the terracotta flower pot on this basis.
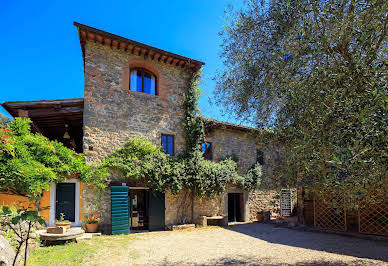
(65, 224)
(92, 228)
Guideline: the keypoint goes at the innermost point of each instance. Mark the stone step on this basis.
(87, 237)
(84, 238)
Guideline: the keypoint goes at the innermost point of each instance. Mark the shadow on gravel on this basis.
(332, 243)
(268, 261)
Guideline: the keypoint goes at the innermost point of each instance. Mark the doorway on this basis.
(139, 209)
(65, 201)
(235, 207)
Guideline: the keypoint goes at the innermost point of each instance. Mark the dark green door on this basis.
(120, 210)
(156, 211)
(65, 201)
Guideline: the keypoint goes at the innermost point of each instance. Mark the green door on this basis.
(156, 211)
(65, 201)
(120, 210)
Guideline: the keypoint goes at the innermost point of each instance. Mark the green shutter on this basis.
(120, 210)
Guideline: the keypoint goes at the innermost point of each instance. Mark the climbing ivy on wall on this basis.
(139, 159)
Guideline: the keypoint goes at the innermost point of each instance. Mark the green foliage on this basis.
(316, 71)
(193, 122)
(127, 159)
(138, 159)
(30, 162)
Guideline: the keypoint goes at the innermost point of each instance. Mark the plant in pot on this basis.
(260, 215)
(62, 222)
(92, 223)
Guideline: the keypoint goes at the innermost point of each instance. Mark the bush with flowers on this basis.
(93, 219)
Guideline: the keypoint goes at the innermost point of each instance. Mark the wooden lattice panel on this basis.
(329, 213)
(373, 219)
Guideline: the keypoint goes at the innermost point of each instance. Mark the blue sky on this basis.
(41, 55)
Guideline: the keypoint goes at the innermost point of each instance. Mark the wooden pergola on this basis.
(60, 120)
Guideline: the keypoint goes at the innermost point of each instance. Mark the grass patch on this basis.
(93, 252)
(67, 254)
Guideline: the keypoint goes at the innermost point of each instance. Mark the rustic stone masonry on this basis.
(243, 145)
(113, 113)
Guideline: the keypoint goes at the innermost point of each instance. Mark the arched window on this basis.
(142, 80)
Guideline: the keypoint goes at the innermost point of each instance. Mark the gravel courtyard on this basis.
(252, 244)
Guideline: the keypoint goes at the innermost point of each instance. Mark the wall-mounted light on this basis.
(66, 135)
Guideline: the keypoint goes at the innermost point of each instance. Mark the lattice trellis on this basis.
(373, 218)
(330, 213)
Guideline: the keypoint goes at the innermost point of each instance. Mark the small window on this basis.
(260, 157)
(207, 150)
(168, 144)
(142, 81)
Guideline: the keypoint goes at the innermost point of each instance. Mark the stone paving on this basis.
(253, 244)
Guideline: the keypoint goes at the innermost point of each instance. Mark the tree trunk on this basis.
(27, 238)
(192, 206)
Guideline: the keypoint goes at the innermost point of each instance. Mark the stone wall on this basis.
(265, 200)
(180, 210)
(113, 113)
(243, 145)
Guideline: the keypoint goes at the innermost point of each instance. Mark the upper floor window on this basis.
(168, 144)
(142, 80)
(260, 157)
(207, 150)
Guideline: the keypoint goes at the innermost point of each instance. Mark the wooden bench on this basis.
(221, 220)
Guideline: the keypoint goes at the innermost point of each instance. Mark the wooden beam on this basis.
(146, 54)
(33, 113)
(91, 36)
(99, 38)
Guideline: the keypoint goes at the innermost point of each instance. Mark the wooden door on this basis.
(156, 211)
(65, 201)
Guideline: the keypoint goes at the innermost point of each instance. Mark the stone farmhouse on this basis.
(136, 90)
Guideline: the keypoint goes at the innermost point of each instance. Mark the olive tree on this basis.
(315, 72)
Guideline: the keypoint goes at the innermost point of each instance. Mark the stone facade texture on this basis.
(113, 114)
(244, 146)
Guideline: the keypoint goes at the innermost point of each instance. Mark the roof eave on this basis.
(87, 33)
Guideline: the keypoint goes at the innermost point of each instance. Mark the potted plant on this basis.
(260, 215)
(92, 223)
(62, 222)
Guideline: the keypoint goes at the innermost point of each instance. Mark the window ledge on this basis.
(143, 93)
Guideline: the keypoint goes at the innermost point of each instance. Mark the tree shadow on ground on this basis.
(331, 243)
(269, 262)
